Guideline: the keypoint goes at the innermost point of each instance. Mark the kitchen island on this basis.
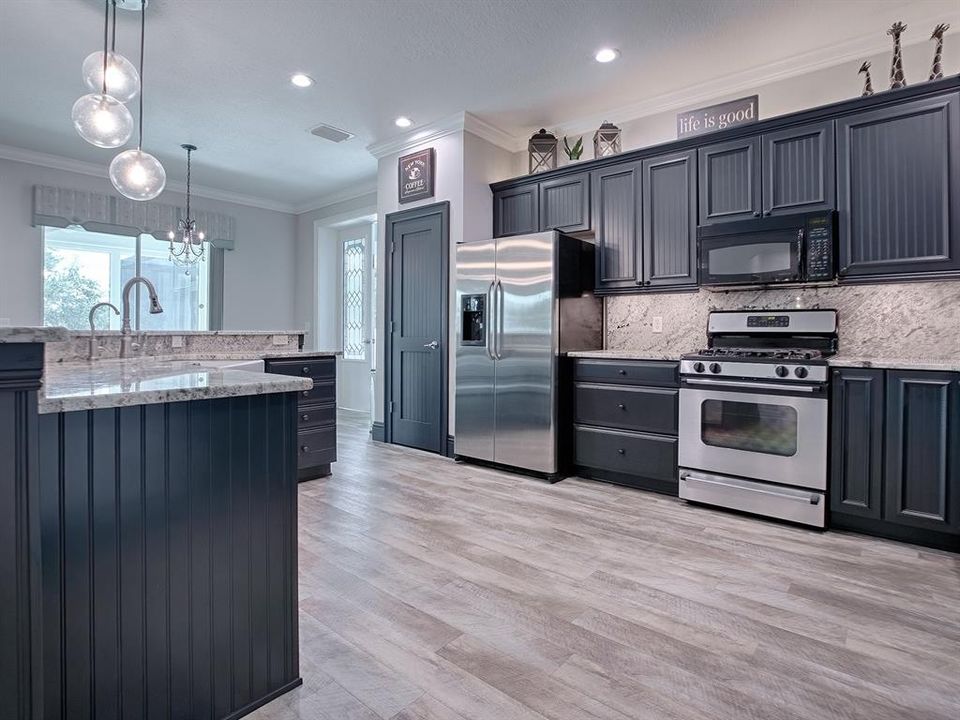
(154, 539)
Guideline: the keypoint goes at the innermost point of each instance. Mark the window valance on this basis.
(115, 215)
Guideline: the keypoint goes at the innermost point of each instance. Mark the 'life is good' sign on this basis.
(718, 117)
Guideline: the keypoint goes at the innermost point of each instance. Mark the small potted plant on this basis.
(573, 153)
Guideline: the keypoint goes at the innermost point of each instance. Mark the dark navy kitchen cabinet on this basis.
(856, 458)
(922, 483)
(730, 180)
(516, 211)
(798, 169)
(898, 188)
(565, 203)
(616, 216)
(895, 454)
(669, 214)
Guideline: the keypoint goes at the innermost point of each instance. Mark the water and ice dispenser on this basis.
(473, 309)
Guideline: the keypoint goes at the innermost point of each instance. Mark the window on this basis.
(354, 261)
(81, 268)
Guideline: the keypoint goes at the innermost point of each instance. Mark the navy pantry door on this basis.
(417, 271)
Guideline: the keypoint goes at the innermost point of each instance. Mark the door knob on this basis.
(433, 345)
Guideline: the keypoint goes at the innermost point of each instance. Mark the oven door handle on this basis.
(751, 386)
(811, 499)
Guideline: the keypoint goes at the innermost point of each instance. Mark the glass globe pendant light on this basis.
(117, 75)
(98, 117)
(136, 174)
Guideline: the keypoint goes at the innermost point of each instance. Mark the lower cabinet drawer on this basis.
(318, 369)
(320, 394)
(630, 453)
(316, 447)
(642, 409)
(316, 415)
(637, 372)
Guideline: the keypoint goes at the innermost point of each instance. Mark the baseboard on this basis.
(377, 431)
(449, 446)
(891, 531)
(247, 709)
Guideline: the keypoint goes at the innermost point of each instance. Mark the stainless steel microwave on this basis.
(787, 248)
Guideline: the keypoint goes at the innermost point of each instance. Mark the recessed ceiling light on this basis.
(301, 80)
(403, 122)
(605, 55)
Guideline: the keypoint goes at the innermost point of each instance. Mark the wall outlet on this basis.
(658, 324)
(279, 339)
(176, 341)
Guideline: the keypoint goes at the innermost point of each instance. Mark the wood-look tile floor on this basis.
(432, 590)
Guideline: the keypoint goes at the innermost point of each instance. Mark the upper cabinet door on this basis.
(730, 181)
(516, 210)
(898, 188)
(616, 215)
(565, 203)
(670, 219)
(798, 169)
(922, 482)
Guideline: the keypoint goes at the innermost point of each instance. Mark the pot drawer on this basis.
(318, 369)
(640, 372)
(652, 410)
(630, 453)
(316, 415)
(320, 394)
(316, 447)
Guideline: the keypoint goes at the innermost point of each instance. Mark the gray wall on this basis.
(258, 275)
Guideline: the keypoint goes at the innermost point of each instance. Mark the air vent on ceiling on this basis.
(329, 132)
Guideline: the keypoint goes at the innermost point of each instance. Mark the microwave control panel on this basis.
(819, 247)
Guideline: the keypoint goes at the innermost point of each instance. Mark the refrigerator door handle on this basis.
(499, 330)
(489, 339)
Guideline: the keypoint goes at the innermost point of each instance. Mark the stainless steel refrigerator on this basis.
(521, 302)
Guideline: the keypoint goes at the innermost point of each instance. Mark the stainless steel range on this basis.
(754, 411)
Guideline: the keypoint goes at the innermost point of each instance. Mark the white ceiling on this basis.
(217, 70)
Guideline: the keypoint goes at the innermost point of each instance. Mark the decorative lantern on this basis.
(543, 151)
(606, 141)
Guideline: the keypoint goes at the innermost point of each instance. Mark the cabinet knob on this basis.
(306, 370)
(621, 451)
(756, 214)
(304, 417)
(621, 406)
(306, 393)
(768, 212)
(304, 448)
(622, 372)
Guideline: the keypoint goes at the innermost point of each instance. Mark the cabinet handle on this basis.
(621, 451)
(621, 406)
(622, 372)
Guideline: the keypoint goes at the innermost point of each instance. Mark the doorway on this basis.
(357, 278)
(416, 299)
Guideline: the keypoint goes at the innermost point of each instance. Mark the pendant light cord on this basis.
(106, 28)
(113, 37)
(143, 30)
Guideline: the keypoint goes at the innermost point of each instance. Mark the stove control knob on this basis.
(714, 368)
(800, 372)
(698, 367)
(781, 371)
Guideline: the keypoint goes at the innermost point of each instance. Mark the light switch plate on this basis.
(176, 341)
(658, 324)
(279, 339)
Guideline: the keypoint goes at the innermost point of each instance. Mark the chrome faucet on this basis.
(126, 340)
(94, 348)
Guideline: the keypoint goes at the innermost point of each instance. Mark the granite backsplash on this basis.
(906, 320)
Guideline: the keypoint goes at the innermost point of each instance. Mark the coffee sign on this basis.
(416, 176)
(718, 117)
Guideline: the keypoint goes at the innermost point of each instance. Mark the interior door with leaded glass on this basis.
(355, 365)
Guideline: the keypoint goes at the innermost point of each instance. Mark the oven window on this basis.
(754, 427)
(763, 259)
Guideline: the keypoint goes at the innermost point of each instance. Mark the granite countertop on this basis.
(28, 334)
(121, 383)
(884, 363)
(625, 354)
(271, 354)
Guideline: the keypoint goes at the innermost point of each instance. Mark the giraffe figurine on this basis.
(867, 84)
(897, 80)
(936, 71)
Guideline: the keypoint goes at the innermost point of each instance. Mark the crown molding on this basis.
(492, 134)
(353, 192)
(855, 49)
(419, 136)
(81, 167)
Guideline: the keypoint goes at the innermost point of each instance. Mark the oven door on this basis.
(755, 257)
(763, 431)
